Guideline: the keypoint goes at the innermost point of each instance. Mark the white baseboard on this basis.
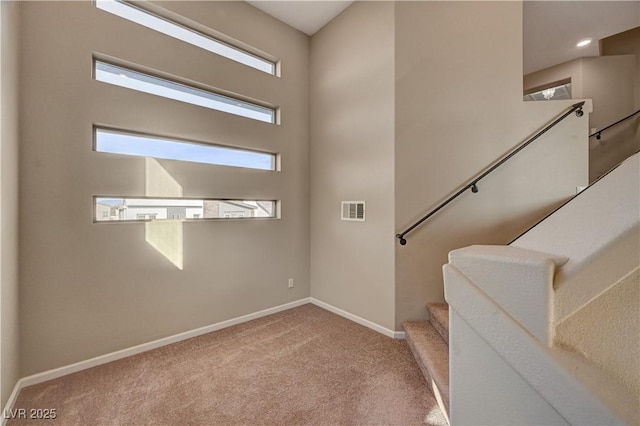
(114, 356)
(359, 320)
(11, 401)
(134, 350)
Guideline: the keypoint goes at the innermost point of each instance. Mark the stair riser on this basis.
(442, 330)
(439, 318)
(443, 402)
(432, 356)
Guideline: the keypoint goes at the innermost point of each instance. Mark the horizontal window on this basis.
(110, 209)
(118, 142)
(146, 83)
(556, 92)
(188, 35)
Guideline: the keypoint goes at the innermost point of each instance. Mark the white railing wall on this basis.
(506, 302)
(500, 372)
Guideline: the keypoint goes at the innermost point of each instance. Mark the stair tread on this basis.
(431, 353)
(439, 317)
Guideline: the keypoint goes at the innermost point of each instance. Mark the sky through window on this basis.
(145, 146)
(188, 35)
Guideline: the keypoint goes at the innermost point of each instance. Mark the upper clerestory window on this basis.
(125, 77)
(121, 142)
(183, 33)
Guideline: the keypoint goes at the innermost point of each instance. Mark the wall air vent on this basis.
(353, 210)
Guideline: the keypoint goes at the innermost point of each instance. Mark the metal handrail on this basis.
(598, 134)
(474, 183)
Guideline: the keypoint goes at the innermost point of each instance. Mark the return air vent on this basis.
(353, 210)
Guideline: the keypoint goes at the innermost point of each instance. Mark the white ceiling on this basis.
(551, 28)
(307, 16)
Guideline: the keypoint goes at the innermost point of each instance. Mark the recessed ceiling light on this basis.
(584, 42)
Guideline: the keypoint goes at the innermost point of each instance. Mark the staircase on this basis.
(429, 342)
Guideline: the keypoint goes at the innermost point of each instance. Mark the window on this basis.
(146, 209)
(119, 142)
(188, 35)
(554, 92)
(124, 77)
(145, 216)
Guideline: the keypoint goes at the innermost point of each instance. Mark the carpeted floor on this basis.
(301, 366)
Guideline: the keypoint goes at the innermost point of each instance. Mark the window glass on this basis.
(110, 209)
(118, 142)
(124, 77)
(188, 35)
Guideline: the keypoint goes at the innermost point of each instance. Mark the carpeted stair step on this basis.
(439, 318)
(432, 354)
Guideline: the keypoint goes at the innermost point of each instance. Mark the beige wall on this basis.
(625, 43)
(610, 81)
(9, 324)
(454, 115)
(90, 289)
(352, 137)
(567, 70)
(458, 108)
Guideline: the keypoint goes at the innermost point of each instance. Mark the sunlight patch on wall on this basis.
(164, 236)
(158, 181)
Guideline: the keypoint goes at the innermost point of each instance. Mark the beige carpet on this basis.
(302, 366)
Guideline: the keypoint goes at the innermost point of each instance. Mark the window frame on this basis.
(248, 54)
(275, 157)
(208, 93)
(96, 199)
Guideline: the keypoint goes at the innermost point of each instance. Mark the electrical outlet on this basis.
(290, 282)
